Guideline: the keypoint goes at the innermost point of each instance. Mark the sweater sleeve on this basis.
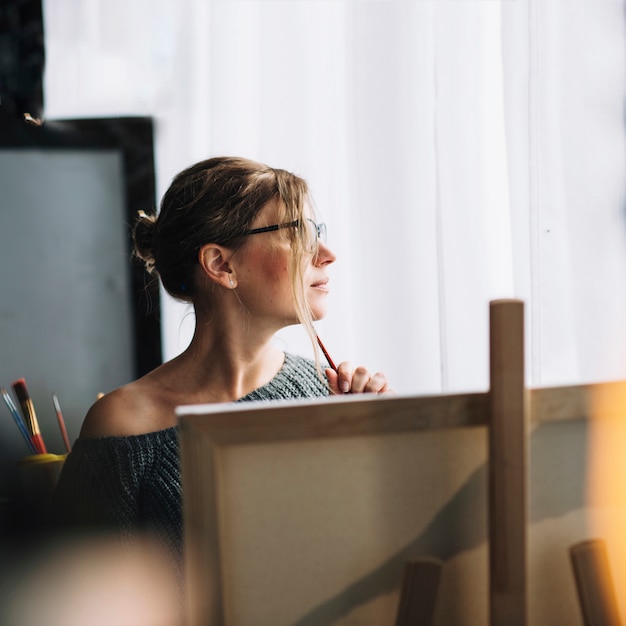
(99, 485)
(123, 485)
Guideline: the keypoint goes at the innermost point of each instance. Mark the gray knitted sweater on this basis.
(133, 484)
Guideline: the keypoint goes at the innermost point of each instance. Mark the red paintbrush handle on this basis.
(330, 361)
(66, 440)
(38, 442)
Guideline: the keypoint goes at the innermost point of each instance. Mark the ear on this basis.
(215, 263)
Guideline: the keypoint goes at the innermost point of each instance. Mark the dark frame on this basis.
(133, 137)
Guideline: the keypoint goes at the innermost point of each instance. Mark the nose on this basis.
(324, 255)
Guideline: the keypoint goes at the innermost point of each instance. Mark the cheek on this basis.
(272, 271)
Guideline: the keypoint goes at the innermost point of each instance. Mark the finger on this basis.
(331, 376)
(360, 378)
(344, 377)
(377, 384)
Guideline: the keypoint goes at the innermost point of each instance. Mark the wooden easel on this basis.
(507, 432)
(506, 422)
(209, 433)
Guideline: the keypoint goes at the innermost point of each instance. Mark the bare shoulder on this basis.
(129, 410)
(109, 415)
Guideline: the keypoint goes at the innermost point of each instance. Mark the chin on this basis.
(318, 313)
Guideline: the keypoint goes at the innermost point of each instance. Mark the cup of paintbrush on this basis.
(39, 476)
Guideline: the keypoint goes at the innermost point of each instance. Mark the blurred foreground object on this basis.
(99, 582)
(594, 583)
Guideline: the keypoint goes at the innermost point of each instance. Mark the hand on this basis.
(359, 380)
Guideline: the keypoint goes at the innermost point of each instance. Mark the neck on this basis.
(218, 368)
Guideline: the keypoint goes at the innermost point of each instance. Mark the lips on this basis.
(321, 284)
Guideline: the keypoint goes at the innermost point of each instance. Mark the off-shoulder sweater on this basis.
(132, 484)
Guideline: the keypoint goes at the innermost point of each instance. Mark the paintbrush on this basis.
(330, 361)
(61, 421)
(18, 420)
(28, 410)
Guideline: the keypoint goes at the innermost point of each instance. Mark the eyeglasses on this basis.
(315, 232)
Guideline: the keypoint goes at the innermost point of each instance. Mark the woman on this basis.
(238, 240)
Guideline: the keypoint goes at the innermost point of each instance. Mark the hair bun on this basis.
(143, 234)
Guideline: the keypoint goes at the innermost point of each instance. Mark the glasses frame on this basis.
(320, 229)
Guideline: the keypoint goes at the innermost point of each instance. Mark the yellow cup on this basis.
(40, 473)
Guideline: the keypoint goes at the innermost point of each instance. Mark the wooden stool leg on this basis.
(594, 583)
(419, 592)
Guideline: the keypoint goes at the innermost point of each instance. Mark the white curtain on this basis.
(458, 151)
(577, 171)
